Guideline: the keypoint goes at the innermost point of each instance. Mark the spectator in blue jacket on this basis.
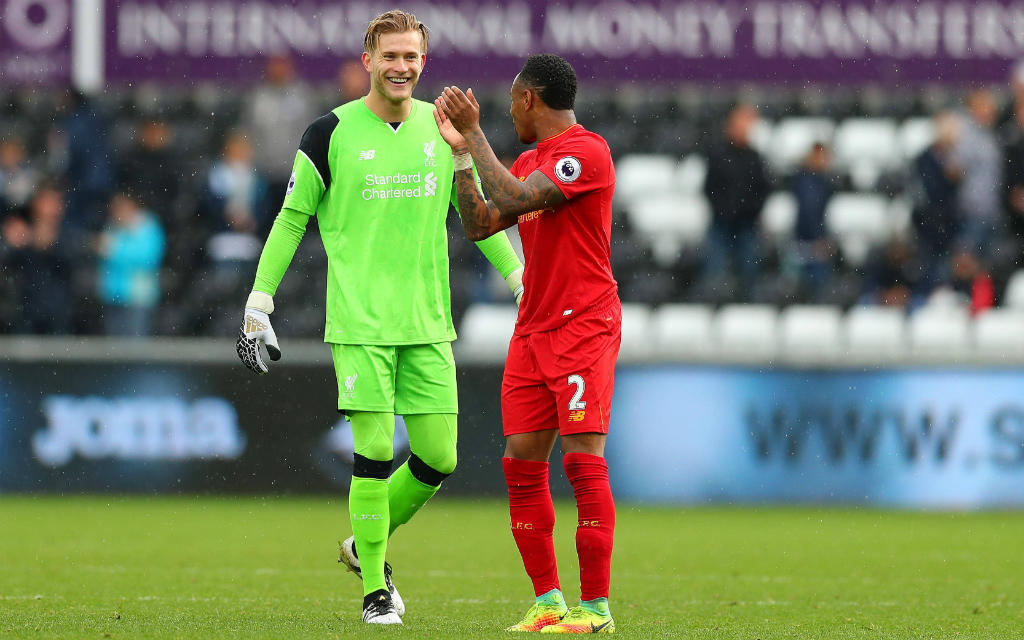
(131, 249)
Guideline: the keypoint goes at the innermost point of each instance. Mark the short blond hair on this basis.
(394, 21)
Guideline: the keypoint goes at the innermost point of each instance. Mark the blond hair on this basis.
(394, 21)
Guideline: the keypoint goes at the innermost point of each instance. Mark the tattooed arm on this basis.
(510, 197)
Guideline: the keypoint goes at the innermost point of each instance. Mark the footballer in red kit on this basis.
(560, 369)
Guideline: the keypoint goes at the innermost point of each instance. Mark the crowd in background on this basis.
(142, 211)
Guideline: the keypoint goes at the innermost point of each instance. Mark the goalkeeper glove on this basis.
(515, 284)
(256, 330)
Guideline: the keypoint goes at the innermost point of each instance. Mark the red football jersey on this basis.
(567, 248)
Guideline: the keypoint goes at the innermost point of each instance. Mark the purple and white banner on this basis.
(35, 42)
(610, 41)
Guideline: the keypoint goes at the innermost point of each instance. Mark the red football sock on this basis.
(533, 520)
(596, 527)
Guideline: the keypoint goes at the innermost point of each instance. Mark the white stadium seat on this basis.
(939, 330)
(747, 330)
(778, 216)
(637, 343)
(670, 222)
(1000, 332)
(915, 135)
(690, 174)
(811, 330)
(876, 332)
(682, 330)
(866, 139)
(485, 332)
(858, 221)
(792, 138)
(640, 175)
(1014, 294)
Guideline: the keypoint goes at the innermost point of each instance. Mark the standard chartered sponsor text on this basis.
(398, 185)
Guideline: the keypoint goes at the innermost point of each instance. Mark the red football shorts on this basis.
(563, 379)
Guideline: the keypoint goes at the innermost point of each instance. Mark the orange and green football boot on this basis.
(548, 610)
(582, 620)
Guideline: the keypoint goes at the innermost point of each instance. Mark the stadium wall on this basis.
(169, 415)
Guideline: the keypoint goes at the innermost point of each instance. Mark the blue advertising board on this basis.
(946, 438)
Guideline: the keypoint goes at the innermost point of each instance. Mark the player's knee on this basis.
(366, 467)
(435, 471)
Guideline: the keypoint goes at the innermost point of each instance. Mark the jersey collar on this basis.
(546, 141)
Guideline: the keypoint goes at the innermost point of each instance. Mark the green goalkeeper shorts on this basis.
(406, 380)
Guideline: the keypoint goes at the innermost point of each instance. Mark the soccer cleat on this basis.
(539, 616)
(347, 556)
(580, 620)
(379, 609)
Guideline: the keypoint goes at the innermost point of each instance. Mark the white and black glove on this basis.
(256, 330)
(515, 284)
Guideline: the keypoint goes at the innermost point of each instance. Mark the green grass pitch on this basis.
(245, 567)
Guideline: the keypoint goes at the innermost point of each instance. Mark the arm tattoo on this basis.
(511, 197)
(472, 208)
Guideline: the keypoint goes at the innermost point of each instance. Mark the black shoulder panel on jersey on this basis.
(316, 142)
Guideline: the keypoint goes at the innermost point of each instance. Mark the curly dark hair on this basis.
(553, 78)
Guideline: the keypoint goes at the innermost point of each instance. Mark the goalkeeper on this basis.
(378, 175)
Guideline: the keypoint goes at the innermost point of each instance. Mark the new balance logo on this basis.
(430, 184)
(252, 325)
(577, 416)
(368, 154)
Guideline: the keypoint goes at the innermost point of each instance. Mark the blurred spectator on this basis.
(130, 250)
(893, 276)
(935, 215)
(978, 154)
(17, 178)
(737, 186)
(150, 169)
(813, 185)
(88, 164)
(278, 112)
(233, 204)
(353, 81)
(971, 281)
(40, 257)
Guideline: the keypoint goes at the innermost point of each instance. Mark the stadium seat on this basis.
(811, 330)
(636, 332)
(792, 138)
(485, 332)
(915, 135)
(866, 147)
(1000, 332)
(1013, 297)
(690, 174)
(939, 330)
(681, 330)
(778, 216)
(876, 332)
(670, 222)
(644, 175)
(747, 330)
(858, 221)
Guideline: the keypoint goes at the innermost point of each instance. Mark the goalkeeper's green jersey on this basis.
(381, 197)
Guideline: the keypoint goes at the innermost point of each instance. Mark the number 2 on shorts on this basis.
(575, 404)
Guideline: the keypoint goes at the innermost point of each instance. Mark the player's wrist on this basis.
(260, 301)
(462, 161)
(458, 151)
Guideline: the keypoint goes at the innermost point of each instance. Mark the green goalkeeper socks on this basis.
(406, 495)
(368, 508)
